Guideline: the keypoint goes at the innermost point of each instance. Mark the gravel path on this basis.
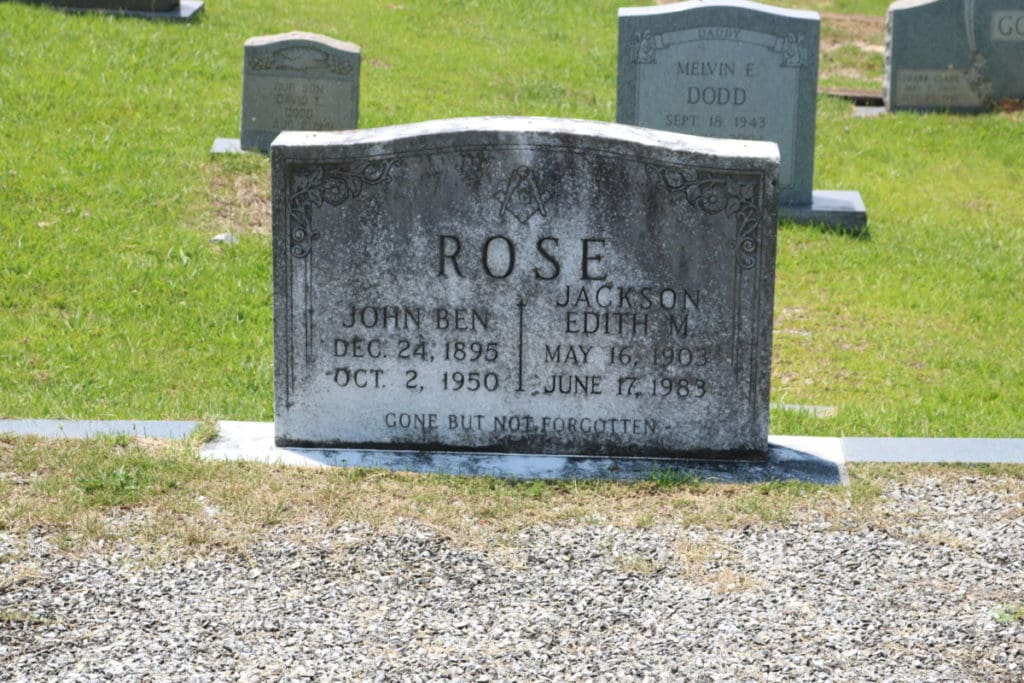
(929, 597)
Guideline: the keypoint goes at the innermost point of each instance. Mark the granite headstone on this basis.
(953, 55)
(523, 285)
(173, 10)
(732, 69)
(139, 5)
(297, 81)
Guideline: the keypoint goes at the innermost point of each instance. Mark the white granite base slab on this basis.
(226, 146)
(812, 459)
(868, 112)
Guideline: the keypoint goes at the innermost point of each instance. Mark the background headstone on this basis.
(522, 285)
(171, 10)
(733, 69)
(955, 55)
(138, 5)
(297, 81)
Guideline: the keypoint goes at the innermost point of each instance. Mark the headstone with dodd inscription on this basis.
(732, 69)
(523, 285)
(297, 81)
(955, 55)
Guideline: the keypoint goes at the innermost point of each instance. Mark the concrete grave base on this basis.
(842, 209)
(868, 112)
(187, 10)
(810, 459)
(979, 451)
(226, 146)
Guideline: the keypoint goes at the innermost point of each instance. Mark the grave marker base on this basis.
(842, 209)
(811, 459)
(226, 146)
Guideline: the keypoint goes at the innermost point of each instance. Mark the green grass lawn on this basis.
(115, 304)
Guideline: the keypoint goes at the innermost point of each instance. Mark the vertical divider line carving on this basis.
(521, 305)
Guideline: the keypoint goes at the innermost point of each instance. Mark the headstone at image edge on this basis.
(733, 69)
(138, 5)
(173, 10)
(523, 285)
(297, 81)
(953, 55)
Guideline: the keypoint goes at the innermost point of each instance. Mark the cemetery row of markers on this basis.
(723, 69)
(526, 285)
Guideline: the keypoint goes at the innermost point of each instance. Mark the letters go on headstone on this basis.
(955, 55)
(523, 285)
(297, 81)
(725, 68)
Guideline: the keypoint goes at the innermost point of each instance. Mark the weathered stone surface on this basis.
(955, 55)
(523, 285)
(297, 81)
(732, 69)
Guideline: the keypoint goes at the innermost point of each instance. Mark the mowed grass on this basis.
(115, 304)
(160, 495)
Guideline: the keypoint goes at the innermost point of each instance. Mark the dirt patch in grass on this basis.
(852, 51)
(863, 31)
(241, 202)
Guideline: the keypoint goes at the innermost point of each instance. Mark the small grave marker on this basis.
(733, 69)
(521, 285)
(953, 55)
(297, 81)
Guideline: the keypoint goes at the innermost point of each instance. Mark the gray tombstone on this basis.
(297, 81)
(172, 10)
(137, 5)
(953, 55)
(732, 69)
(523, 285)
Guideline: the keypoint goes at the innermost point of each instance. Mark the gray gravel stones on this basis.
(921, 596)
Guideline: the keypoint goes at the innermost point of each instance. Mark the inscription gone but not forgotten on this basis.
(523, 285)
